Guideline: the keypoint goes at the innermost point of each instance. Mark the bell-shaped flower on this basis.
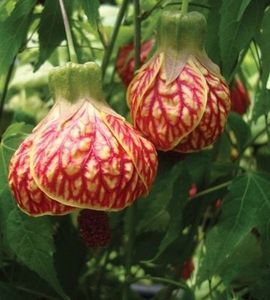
(83, 154)
(179, 100)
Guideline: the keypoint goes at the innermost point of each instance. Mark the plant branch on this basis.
(5, 88)
(162, 280)
(212, 290)
(184, 7)
(147, 13)
(251, 142)
(130, 233)
(109, 49)
(71, 48)
(132, 210)
(137, 35)
(212, 189)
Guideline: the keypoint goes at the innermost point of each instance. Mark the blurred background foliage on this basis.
(207, 211)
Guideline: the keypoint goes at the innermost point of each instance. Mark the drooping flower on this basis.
(240, 97)
(83, 154)
(179, 100)
(125, 62)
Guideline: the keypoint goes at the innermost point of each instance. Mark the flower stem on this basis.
(109, 49)
(130, 225)
(251, 142)
(179, 283)
(71, 48)
(137, 35)
(5, 88)
(184, 7)
(212, 189)
(130, 233)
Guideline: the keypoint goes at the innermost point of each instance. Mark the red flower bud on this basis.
(94, 228)
(193, 190)
(188, 268)
(179, 100)
(125, 62)
(240, 97)
(83, 154)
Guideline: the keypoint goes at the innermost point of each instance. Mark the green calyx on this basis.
(181, 32)
(74, 82)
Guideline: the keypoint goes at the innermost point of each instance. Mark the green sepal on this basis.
(74, 82)
(181, 32)
(182, 37)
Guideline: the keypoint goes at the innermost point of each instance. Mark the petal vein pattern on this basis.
(29, 197)
(141, 151)
(142, 81)
(169, 112)
(215, 115)
(80, 163)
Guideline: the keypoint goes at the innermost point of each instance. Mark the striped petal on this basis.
(141, 151)
(29, 197)
(142, 81)
(215, 115)
(166, 113)
(80, 163)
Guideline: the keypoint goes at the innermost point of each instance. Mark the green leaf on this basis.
(264, 44)
(175, 207)
(69, 248)
(245, 263)
(8, 292)
(261, 288)
(11, 139)
(30, 240)
(90, 8)
(245, 207)
(262, 104)
(153, 210)
(240, 128)
(13, 31)
(51, 29)
(243, 7)
(236, 35)
(212, 37)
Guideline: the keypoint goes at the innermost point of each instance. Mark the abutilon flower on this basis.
(179, 100)
(240, 97)
(125, 62)
(83, 154)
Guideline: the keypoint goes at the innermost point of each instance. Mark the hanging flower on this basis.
(240, 97)
(125, 62)
(83, 154)
(179, 100)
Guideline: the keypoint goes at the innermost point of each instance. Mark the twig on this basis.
(5, 88)
(184, 7)
(211, 190)
(71, 48)
(162, 280)
(251, 142)
(109, 49)
(137, 35)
